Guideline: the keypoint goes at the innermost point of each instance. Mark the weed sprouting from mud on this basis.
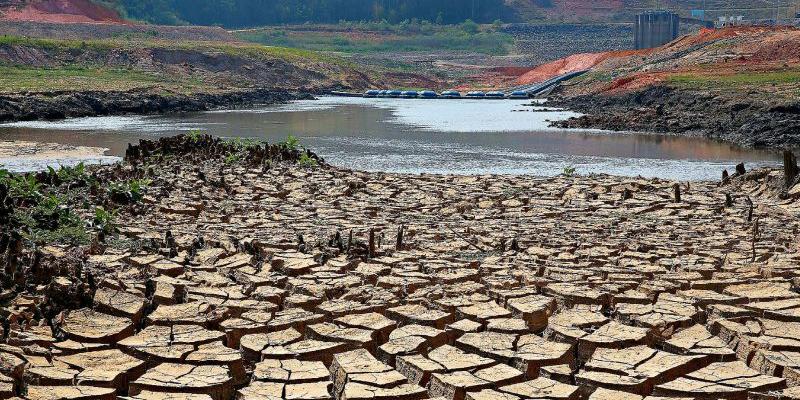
(306, 161)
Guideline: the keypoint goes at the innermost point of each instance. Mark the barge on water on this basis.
(430, 94)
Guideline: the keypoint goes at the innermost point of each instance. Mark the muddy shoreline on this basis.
(61, 105)
(741, 121)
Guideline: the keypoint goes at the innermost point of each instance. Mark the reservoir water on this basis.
(418, 136)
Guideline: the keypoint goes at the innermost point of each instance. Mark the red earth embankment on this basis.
(573, 63)
(61, 11)
(709, 53)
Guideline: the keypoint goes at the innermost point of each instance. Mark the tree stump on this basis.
(790, 170)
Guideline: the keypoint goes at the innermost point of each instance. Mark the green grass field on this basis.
(738, 79)
(25, 78)
(350, 38)
(93, 72)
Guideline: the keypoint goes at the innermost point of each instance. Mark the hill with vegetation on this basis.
(252, 13)
(739, 84)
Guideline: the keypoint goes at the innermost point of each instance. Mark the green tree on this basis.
(469, 26)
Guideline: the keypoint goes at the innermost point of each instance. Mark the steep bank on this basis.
(664, 109)
(739, 84)
(57, 78)
(60, 105)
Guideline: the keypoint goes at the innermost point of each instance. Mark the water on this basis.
(422, 136)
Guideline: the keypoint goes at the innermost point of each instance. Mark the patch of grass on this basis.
(395, 39)
(194, 136)
(70, 175)
(737, 79)
(232, 158)
(88, 76)
(50, 220)
(23, 187)
(291, 142)
(131, 191)
(24, 78)
(64, 44)
(306, 161)
(105, 220)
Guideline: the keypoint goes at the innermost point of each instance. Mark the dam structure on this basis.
(655, 28)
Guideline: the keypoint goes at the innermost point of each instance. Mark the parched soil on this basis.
(276, 277)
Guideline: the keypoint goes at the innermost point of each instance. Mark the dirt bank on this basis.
(742, 121)
(60, 105)
(59, 11)
(737, 84)
(22, 156)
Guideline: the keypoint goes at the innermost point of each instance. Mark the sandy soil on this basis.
(20, 156)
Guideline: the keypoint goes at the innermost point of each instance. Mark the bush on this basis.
(469, 26)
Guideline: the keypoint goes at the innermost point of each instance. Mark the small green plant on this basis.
(24, 187)
(232, 158)
(569, 170)
(69, 175)
(104, 220)
(194, 136)
(131, 191)
(50, 221)
(138, 188)
(5, 178)
(291, 143)
(242, 144)
(307, 161)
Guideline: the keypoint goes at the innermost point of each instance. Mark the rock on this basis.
(212, 380)
(86, 325)
(726, 380)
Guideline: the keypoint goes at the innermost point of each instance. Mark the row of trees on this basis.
(245, 13)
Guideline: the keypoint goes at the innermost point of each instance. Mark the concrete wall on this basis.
(655, 28)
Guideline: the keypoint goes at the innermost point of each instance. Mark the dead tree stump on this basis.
(790, 170)
(740, 170)
(371, 242)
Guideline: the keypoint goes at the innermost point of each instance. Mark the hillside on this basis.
(625, 10)
(59, 11)
(738, 84)
(251, 13)
(58, 78)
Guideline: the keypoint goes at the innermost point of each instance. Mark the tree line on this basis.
(246, 13)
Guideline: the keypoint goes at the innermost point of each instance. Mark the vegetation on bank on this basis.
(376, 37)
(748, 78)
(74, 205)
(248, 13)
(15, 79)
(132, 43)
(82, 65)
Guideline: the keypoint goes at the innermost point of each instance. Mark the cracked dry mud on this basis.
(500, 288)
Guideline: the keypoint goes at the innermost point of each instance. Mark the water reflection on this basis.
(437, 136)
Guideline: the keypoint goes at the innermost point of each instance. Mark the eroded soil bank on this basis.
(218, 270)
(737, 119)
(60, 105)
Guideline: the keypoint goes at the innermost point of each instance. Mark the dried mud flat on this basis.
(275, 281)
(28, 156)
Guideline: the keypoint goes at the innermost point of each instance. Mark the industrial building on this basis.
(655, 28)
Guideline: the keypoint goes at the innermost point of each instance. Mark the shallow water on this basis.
(422, 136)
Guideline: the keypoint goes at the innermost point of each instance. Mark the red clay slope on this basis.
(61, 11)
(573, 63)
(744, 52)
